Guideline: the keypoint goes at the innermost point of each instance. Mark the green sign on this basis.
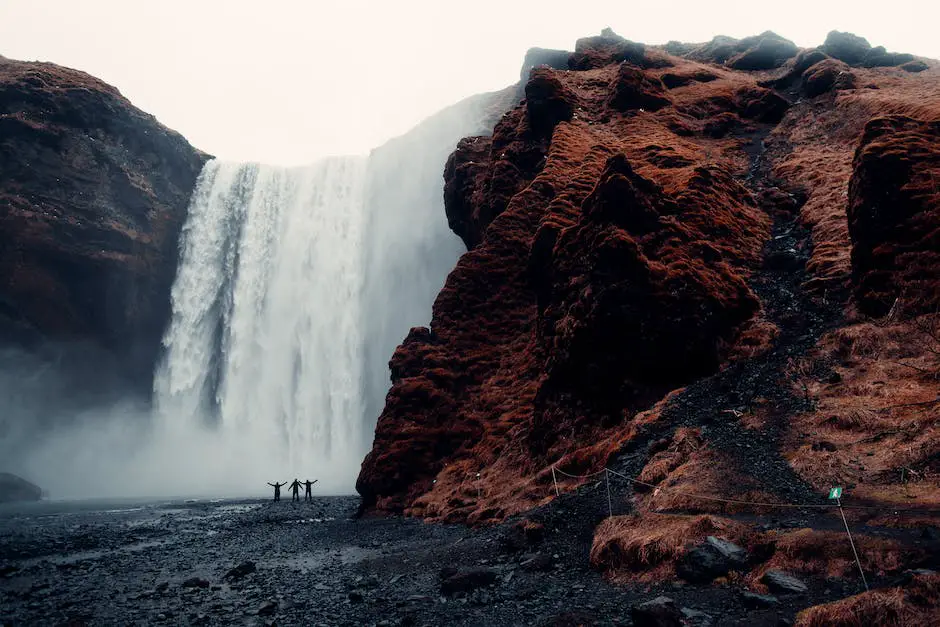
(835, 493)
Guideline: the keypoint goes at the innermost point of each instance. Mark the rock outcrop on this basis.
(607, 265)
(93, 194)
(856, 50)
(894, 215)
(13, 488)
(618, 228)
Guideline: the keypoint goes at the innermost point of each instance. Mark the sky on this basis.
(289, 81)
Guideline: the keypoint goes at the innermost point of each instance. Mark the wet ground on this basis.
(169, 563)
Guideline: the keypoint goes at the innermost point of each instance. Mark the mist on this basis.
(73, 427)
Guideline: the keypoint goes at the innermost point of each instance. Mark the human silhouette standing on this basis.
(295, 491)
(307, 485)
(277, 489)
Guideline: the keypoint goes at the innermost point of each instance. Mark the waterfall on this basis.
(294, 286)
(265, 342)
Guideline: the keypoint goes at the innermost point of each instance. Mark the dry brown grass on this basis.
(829, 554)
(686, 468)
(823, 134)
(915, 605)
(509, 482)
(647, 547)
(876, 427)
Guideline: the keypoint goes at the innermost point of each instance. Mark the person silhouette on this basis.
(307, 485)
(295, 490)
(277, 489)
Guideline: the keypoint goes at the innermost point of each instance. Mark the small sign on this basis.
(835, 493)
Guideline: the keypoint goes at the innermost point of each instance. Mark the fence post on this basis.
(852, 543)
(610, 508)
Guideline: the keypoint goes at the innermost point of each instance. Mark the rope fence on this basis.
(607, 472)
(557, 471)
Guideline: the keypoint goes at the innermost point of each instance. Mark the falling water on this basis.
(294, 287)
(264, 345)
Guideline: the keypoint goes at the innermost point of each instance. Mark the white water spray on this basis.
(264, 345)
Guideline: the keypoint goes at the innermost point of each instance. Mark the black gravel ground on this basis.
(142, 564)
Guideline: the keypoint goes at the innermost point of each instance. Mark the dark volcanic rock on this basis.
(794, 70)
(466, 581)
(659, 612)
(718, 50)
(783, 583)
(763, 52)
(536, 57)
(879, 57)
(846, 47)
(856, 50)
(894, 215)
(93, 193)
(242, 570)
(13, 488)
(713, 558)
(752, 599)
(915, 66)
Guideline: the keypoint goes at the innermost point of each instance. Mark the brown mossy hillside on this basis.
(618, 220)
(615, 253)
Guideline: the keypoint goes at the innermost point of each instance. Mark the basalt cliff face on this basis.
(674, 254)
(93, 194)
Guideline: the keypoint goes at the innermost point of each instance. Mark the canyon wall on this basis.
(93, 194)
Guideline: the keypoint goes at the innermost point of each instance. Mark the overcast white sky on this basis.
(286, 81)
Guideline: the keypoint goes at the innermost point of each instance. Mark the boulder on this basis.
(659, 612)
(14, 488)
(915, 66)
(879, 57)
(713, 558)
(763, 52)
(846, 47)
(268, 608)
(783, 583)
(754, 600)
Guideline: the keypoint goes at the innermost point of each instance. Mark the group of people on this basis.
(295, 489)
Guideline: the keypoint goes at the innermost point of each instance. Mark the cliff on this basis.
(674, 257)
(93, 194)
